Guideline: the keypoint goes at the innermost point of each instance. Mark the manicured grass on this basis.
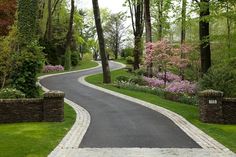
(121, 60)
(34, 139)
(226, 134)
(84, 64)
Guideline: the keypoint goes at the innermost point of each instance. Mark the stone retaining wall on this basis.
(50, 108)
(214, 108)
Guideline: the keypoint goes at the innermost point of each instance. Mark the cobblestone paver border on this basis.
(144, 152)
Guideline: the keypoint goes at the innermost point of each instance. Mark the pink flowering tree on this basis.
(162, 54)
(158, 55)
(180, 58)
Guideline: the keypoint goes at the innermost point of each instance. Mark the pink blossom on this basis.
(182, 87)
(154, 82)
(169, 76)
(51, 68)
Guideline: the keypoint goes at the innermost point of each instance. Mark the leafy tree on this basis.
(160, 10)
(28, 59)
(114, 31)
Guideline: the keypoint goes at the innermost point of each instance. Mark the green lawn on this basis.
(34, 139)
(226, 134)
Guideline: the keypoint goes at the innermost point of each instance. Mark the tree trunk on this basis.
(183, 33)
(137, 51)
(70, 29)
(105, 65)
(49, 30)
(228, 29)
(4, 80)
(148, 25)
(117, 43)
(138, 33)
(69, 37)
(116, 50)
(183, 25)
(204, 32)
(160, 19)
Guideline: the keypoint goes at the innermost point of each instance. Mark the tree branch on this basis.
(55, 6)
(132, 15)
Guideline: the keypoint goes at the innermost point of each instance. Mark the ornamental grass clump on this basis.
(51, 68)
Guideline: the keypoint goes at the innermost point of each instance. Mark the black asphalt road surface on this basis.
(118, 123)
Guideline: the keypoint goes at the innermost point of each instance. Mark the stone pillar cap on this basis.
(54, 94)
(211, 92)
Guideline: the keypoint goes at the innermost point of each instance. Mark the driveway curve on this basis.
(115, 122)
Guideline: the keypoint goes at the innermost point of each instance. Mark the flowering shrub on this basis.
(173, 83)
(154, 82)
(51, 68)
(179, 97)
(11, 93)
(169, 76)
(181, 87)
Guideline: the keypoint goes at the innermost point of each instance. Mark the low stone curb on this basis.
(205, 141)
(143, 152)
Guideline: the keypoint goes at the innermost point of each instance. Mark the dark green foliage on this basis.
(28, 63)
(67, 64)
(130, 60)
(127, 52)
(188, 100)
(74, 59)
(27, 20)
(24, 78)
(138, 80)
(52, 52)
(141, 72)
(222, 78)
(10, 93)
(122, 78)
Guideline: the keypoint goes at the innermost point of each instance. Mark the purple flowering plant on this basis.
(51, 68)
(174, 83)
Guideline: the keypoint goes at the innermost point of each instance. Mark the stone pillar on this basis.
(229, 110)
(210, 105)
(53, 108)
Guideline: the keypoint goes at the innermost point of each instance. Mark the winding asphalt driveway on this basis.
(118, 123)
